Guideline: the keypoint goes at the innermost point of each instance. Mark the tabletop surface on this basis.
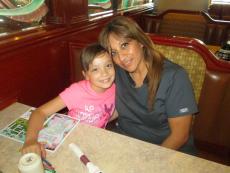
(111, 152)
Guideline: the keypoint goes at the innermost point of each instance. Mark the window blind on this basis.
(220, 1)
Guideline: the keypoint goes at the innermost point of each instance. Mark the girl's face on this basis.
(127, 53)
(101, 72)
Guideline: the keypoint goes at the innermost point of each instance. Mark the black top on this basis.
(174, 98)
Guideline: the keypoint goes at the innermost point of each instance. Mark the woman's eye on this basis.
(124, 45)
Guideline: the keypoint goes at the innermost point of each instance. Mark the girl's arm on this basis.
(35, 124)
(180, 129)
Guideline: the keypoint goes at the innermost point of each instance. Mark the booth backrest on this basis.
(211, 82)
(190, 60)
(193, 24)
(75, 65)
(219, 11)
(182, 24)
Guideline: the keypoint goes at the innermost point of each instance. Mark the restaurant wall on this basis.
(35, 64)
(193, 5)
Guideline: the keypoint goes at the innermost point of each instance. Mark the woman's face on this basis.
(127, 53)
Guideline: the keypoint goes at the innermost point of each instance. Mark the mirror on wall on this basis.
(19, 15)
(104, 7)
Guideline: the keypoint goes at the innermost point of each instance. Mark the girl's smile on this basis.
(101, 73)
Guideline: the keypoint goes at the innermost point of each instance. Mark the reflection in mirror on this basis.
(101, 7)
(17, 15)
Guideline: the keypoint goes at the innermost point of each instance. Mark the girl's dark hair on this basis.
(125, 27)
(89, 53)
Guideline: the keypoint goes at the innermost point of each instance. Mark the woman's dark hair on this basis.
(125, 27)
(89, 53)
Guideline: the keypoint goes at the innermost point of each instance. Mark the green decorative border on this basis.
(27, 9)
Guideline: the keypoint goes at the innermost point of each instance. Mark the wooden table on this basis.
(111, 152)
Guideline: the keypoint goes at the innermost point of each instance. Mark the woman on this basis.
(154, 97)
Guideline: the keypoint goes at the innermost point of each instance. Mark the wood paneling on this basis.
(35, 73)
(35, 64)
(66, 12)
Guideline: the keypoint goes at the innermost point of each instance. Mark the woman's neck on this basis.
(139, 74)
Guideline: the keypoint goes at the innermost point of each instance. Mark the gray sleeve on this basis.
(180, 97)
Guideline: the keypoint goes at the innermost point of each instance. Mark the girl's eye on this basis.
(113, 53)
(109, 65)
(94, 70)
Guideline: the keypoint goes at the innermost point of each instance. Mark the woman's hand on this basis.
(180, 128)
(32, 146)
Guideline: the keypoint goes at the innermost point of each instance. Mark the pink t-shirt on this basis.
(87, 105)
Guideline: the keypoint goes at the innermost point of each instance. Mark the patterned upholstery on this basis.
(190, 60)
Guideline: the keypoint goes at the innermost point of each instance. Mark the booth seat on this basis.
(219, 11)
(210, 78)
(192, 24)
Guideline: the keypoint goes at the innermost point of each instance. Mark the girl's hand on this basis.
(33, 146)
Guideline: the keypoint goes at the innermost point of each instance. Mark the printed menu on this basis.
(56, 128)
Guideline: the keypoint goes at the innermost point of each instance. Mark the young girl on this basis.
(90, 100)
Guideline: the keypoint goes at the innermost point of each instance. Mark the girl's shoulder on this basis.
(79, 85)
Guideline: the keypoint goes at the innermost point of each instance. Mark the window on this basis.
(220, 1)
